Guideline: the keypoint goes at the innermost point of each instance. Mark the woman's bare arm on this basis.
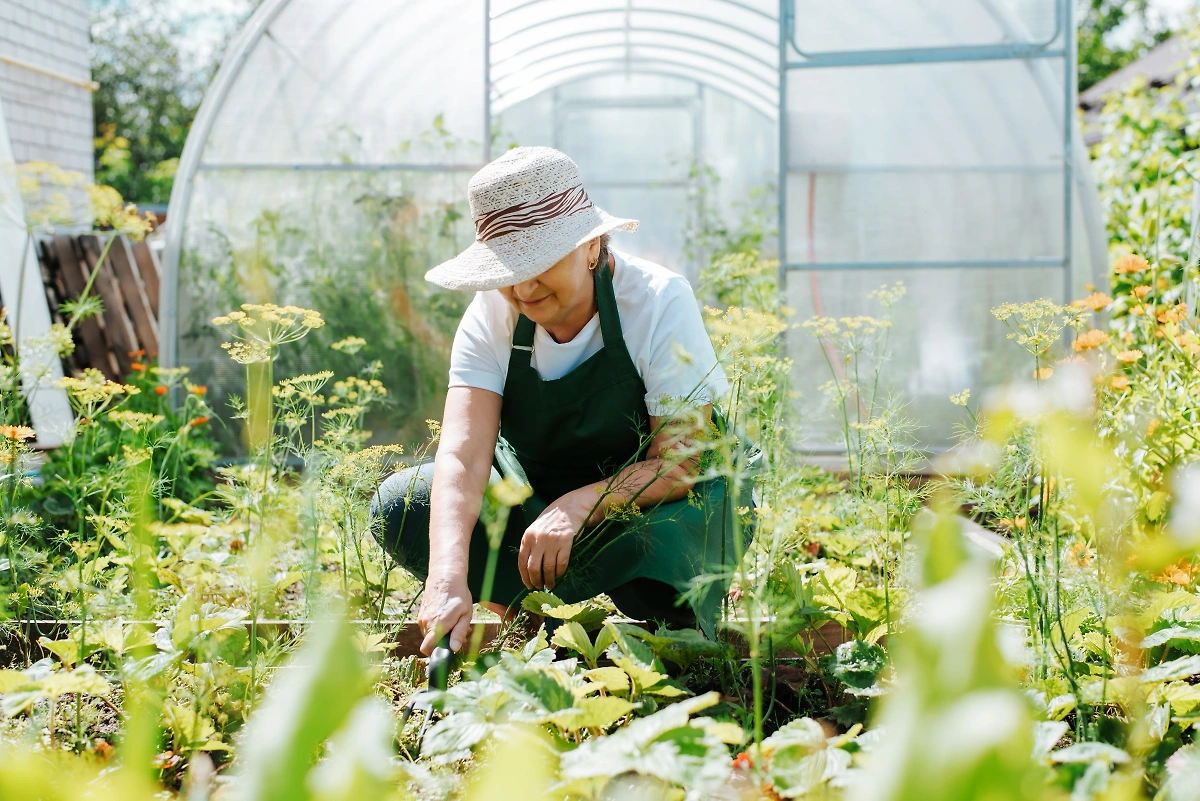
(662, 477)
(462, 466)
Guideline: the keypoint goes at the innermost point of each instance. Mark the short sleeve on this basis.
(475, 360)
(681, 368)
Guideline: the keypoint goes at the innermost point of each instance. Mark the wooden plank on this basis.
(145, 323)
(74, 277)
(121, 338)
(147, 264)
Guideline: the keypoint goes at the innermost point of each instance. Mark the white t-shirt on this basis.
(660, 321)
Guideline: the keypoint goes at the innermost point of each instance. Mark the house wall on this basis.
(49, 119)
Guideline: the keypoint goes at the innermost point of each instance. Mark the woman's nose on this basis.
(525, 289)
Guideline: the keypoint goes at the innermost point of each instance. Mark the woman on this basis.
(564, 371)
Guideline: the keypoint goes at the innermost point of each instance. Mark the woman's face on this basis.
(562, 293)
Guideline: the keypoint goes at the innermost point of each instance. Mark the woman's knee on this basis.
(401, 507)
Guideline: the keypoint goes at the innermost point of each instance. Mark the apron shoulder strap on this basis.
(522, 341)
(606, 304)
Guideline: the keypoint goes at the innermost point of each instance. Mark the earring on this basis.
(592, 266)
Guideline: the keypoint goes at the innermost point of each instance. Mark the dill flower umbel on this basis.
(92, 393)
(961, 398)
(259, 328)
(349, 345)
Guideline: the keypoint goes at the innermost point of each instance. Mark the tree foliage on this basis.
(1101, 56)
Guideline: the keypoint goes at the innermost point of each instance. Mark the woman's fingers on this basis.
(458, 635)
(534, 565)
(563, 556)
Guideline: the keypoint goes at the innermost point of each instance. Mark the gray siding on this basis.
(48, 119)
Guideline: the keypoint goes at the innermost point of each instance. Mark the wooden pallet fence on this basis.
(127, 285)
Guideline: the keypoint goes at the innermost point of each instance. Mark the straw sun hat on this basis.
(530, 210)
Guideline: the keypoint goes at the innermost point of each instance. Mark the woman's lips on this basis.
(531, 302)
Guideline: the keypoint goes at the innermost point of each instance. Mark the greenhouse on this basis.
(930, 142)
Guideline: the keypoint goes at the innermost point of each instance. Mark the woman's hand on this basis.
(445, 609)
(546, 544)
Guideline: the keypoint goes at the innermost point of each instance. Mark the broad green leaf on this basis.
(612, 679)
(1090, 752)
(1156, 504)
(1180, 668)
(1060, 706)
(1045, 734)
(723, 730)
(359, 763)
(542, 690)
(805, 733)
(1183, 778)
(1164, 636)
(572, 636)
(83, 679)
(593, 713)
(453, 737)
(858, 664)
(67, 651)
(11, 680)
(306, 704)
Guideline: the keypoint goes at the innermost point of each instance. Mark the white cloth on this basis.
(660, 321)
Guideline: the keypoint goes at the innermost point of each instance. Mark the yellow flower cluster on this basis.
(358, 390)
(93, 390)
(961, 398)
(349, 345)
(134, 421)
(110, 211)
(247, 352)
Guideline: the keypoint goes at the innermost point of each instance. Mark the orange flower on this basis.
(1141, 291)
(138, 367)
(1130, 263)
(137, 354)
(1152, 427)
(1089, 339)
(1129, 356)
(160, 390)
(1175, 314)
(743, 761)
(1043, 373)
(1095, 301)
(1138, 311)
(17, 433)
(1120, 382)
(199, 421)
(1179, 573)
(1080, 554)
(198, 389)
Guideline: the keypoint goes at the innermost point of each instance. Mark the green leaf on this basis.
(612, 679)
(593, 713)
(1156, 504)
(83, 679)
(11, 680)
(572, 636)
(1180, 668)
(1164, 636)
(306, 704)
(1090, 752)
(453, 737)
(858, 664)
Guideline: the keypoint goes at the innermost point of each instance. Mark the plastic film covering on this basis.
(924, 142)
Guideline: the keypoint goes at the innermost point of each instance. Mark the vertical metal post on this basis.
(487, 81)
(1068, 33)
(785, 26)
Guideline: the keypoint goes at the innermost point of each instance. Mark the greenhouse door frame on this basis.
(1015, 51)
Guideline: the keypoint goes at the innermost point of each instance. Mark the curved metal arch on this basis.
(189, 161)
(666, 11)
(735, 3)
(624, 64)
(667, 69)
(769, 87)
(773, 67)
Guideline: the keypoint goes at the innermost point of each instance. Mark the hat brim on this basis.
(522, 255)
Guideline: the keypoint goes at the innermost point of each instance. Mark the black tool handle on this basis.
(439, 664)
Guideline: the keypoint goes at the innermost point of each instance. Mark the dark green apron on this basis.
(582, 428)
